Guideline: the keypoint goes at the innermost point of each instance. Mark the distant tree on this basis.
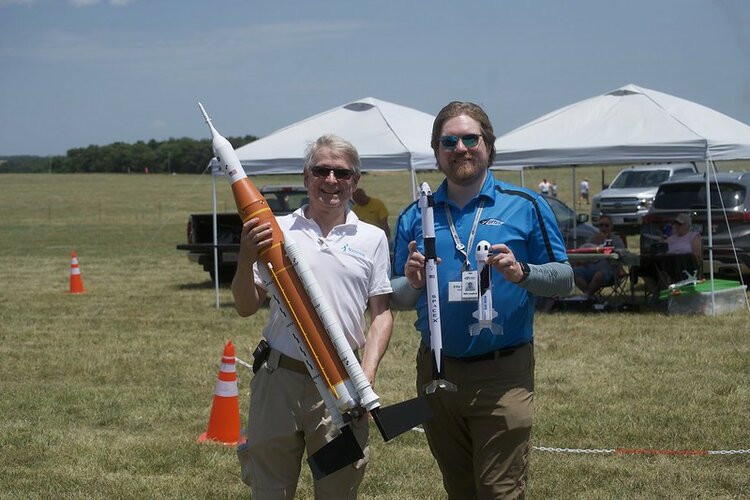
(184, 155)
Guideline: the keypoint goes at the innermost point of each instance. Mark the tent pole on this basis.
(216, 238)
(413, 171)
(709, 225)
(575, 209)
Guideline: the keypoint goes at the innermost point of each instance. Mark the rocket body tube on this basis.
(251, 204)
(358, 382)
(426, 205)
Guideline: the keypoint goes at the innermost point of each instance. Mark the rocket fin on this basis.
(396, 419)
(440, 384)
(337, 454)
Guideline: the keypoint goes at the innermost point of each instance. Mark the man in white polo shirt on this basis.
(350, 260)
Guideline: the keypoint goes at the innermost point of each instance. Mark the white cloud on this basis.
(83, 3)
(4, 3)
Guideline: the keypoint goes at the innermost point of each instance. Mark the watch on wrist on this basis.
(526, 271)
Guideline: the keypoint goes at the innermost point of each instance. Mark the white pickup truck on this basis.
(632, 192)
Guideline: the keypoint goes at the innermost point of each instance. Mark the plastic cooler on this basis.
(695, 298)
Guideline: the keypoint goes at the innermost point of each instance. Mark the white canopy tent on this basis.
(628, 125)
(387, 137)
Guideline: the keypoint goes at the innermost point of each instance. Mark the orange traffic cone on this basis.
(76, 282)
(224, 422)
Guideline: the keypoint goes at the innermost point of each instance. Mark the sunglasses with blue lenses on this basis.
(323, 171)
(451, 141)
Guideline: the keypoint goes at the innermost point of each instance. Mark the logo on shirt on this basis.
(491, 222)
(347, 248)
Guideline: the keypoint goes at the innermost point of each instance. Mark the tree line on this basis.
(184, 156)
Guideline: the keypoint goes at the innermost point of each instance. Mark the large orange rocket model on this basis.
(328, 356)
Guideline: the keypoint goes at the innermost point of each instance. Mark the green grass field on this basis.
(104, 394)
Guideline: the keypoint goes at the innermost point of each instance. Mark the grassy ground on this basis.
(105, 393)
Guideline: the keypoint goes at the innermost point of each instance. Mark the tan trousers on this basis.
(287, 417)
(480, 434)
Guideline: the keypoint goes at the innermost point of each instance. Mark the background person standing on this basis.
(371, 210)
(584, 190)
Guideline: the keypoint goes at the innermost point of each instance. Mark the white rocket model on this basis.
(426, 205)
(485, 313)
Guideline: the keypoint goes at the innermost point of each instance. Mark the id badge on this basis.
(469, 285)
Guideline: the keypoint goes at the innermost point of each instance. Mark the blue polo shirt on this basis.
(516, 216)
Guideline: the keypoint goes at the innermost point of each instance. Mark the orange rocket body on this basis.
(251, 204)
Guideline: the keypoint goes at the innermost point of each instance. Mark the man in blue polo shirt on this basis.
(480, 433)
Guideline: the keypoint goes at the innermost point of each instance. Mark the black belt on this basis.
(292, 364)
(500, 353)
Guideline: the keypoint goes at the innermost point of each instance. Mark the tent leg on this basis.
(216, 238)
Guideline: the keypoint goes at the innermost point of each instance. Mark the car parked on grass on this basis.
(730, 218)
(567, 219)
(630, 195)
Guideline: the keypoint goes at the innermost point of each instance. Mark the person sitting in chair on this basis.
(593, 276)
(683, 241)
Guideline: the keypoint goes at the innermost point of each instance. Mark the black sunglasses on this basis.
(323, 171)
(451, 141)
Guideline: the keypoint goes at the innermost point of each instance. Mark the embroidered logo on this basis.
(491, 222)
(346, 248)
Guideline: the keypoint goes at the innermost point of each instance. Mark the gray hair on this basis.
(339, 146)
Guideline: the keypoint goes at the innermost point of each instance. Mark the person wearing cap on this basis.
(682, 241)
(479, 434)
(592, 276)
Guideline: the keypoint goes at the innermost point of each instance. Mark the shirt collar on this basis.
(301, 218)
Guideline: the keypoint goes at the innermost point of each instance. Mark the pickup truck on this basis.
(627, 200)
(200, 241)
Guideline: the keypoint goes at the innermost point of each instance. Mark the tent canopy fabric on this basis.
(628, 125)
(387, 136)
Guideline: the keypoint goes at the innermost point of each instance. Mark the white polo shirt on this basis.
(351, 265)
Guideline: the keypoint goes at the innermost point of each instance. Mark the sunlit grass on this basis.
(104, 394)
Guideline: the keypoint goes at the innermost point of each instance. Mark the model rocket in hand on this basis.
(426, 204)
(329, 358)
(484, 313)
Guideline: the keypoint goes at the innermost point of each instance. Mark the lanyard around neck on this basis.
(456, 240)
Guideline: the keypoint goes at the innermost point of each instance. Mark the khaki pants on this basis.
(287, 417)
(480, 434)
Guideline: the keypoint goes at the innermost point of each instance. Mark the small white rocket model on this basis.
(426, 204)
(485, 313)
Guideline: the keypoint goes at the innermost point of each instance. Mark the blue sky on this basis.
(81, 72)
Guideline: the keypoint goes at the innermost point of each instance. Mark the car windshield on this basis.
(563, 214)
(693, 195)
(640, 178)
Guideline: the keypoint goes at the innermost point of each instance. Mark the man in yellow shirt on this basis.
(371, 210)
